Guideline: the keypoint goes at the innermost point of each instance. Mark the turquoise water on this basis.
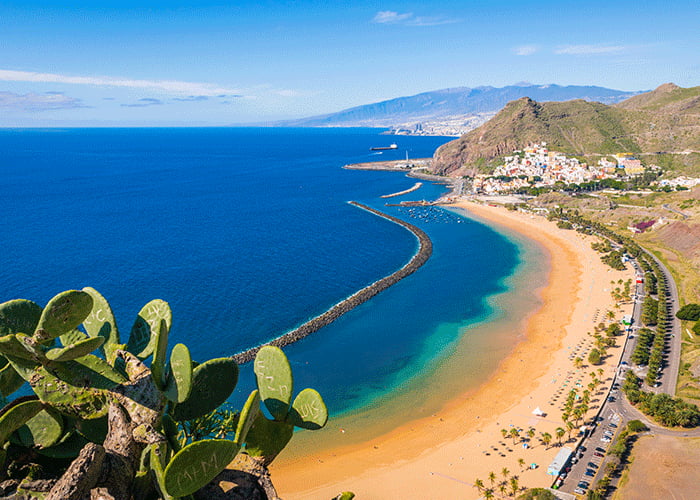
(247, 234)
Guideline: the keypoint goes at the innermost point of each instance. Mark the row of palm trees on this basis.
(508, 486)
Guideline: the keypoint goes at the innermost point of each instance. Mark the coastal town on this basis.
(538, 166)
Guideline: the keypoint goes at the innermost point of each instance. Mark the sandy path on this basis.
(441, 456)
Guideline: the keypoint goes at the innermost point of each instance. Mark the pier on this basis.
(425, 250)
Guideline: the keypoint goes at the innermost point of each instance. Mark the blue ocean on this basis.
(247, 233)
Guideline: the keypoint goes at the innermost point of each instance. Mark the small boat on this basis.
(384, 148)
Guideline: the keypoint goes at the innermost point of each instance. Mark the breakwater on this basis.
(425, 249)
(415, 187)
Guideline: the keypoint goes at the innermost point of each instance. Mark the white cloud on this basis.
(579, 50)
(39, 102)
(409, 19)
(526, 50)
(391, 17)
(167, 86)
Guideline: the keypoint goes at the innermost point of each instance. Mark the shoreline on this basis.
(447, 451)
(425, 250)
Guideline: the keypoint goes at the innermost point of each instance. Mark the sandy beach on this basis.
(441, 456)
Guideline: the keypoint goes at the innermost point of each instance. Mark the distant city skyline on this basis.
(172, 64)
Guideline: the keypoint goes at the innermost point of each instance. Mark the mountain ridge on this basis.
(452, 102)
(664, 119)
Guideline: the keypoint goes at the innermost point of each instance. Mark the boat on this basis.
(384, 148)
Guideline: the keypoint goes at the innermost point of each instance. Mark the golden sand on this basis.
(441, 456)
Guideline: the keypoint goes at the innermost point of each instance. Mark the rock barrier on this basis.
(425, 249)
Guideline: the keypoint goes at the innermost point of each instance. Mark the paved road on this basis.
(669, 374)
(615, 410)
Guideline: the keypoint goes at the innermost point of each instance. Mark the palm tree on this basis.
(479, 485)
(546, 439)
(521, 463)
(578, 362)
(505, 472)
(570, 427)
(502, 488)
(514, 486)
(504, 433)
(488, 494)
(560, 433)
(492, 478)
(531, 432)
(514, 433)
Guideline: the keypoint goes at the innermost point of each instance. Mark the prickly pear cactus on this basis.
(249, 413)
(212, 383)
(308, 410)
(16, 416)
(267, 438)
(100, 322)
(43, 430)
(62, 314)
(77, 350)
(275, 382)
(179, 380)
(196, 464)
(142, 340)
(19, 316)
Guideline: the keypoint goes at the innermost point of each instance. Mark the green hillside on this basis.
(664, 120)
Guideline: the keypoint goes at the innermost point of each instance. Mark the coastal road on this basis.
(669, 374)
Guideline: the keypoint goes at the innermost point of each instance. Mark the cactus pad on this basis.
(179, 383)
(142, 339)
(275, 382)
(16, 416)
(19, 316)
(63, 313)
(43, 430)
(197, 464)
(10, 380)
(83, 402)
(72, 337)
(267, 438)
(250, 411)
(212, 384)
(77, 350)
(159, 354)
(308, 410)
(100, 322)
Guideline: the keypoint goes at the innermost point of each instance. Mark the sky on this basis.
(212, 63)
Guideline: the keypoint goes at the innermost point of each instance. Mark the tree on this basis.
(594, 357)
(521, 464)
(569, 428)
(578, 362)
(515, 434)
(479, 485)
(514, 486)
(504, 433)
(492, 478)
(505, 472)
(689, 312)
(546, 439)
(560, 431)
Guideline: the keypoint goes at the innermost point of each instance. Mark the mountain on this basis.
(665, 119)
(451, 103)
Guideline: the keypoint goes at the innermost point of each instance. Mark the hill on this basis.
(462, 102)
(666, 119)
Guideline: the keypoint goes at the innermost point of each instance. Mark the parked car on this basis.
(580, 491)
(583, 484)
(605, 439)
(592, 465)
(598, 454)
(590, 472)
(612, 424)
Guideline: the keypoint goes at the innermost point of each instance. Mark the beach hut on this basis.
(538, 412)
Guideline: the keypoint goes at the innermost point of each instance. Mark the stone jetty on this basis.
(425, 249)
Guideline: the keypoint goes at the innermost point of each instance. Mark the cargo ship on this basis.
(384, 148)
